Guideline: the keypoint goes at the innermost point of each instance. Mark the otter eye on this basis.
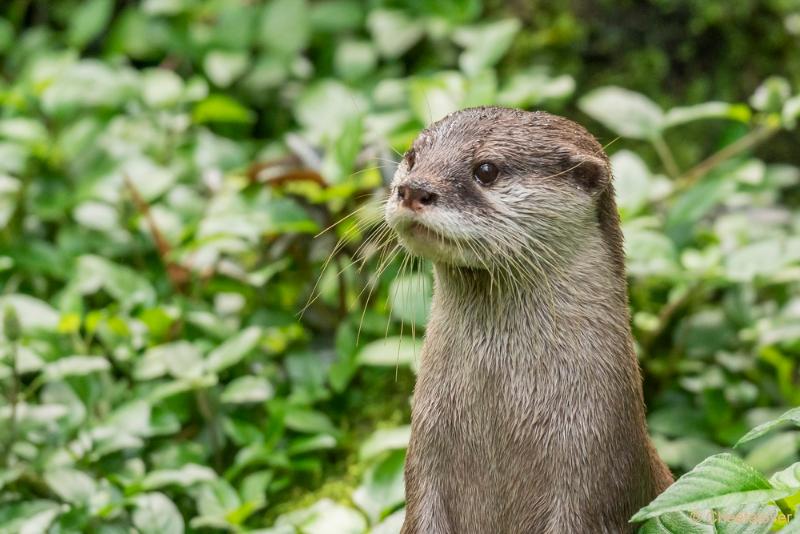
(411, 158)
(486, 172)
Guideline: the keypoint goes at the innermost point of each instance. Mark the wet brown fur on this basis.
(528, 415)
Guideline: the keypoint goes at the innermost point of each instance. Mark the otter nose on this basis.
(415, 197)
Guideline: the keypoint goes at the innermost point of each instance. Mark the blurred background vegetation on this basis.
(165, 166)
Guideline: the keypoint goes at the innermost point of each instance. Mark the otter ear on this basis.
(589, 173)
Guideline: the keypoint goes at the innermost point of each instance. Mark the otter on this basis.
(528, 414)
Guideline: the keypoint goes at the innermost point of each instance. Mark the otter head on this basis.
(503, 189)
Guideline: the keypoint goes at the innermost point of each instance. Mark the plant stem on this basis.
(665, 154)
(753, 138)
(177, 274)
(785, 508)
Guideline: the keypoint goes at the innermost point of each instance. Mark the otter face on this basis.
(499, 188)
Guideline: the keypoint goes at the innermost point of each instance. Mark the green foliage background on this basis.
(170, 176)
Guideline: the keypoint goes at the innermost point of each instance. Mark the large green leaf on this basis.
(71, 485)
(325, 517)
(233, 350)
(89, 20)
(187, 475)
(285, 26)
(156, 514)
(707, 110)
(625, 112)
(75, 366)
(32, 313)
(383, 440)
(247, 389)
(791, 416)
(787, 478)
(745, 519)
(410, 299)
(485, 44)
(382, 488)
(391, 351)
(722, 480)
(94, 273)
(393, 31)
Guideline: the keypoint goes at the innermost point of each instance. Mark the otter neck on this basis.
(579, 311)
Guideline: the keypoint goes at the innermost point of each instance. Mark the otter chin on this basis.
(528, 413)
(432, 244)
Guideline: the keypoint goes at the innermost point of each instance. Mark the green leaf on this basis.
(791, 112)
(788, 478)
(625, 112)
(187, 475)
(6, 34)
(391, 351)
(179, 359)
(285, 26)
(535, 87)
(36, 414)
(9, 191)
(129, 288)
(771, 94)
(176, 387)
(22, 130)
(485, 44)
(217, 498)
(720, 481)
(650, 253)
(695, 203)
(73, 486)
(40, 522)
(32, 313)
(325, 517)
(247, 389)
(75, 366)
(382, 486)
(111, 87)
(393, 31)
(10, 474)
(233, 350)
(223, 67)
(355, 59)
(632, 182)
(308, 421)
(342, 154)
(161, 88)
(434, 97)
(156, 514)
(384, 440)
(762, 258)
(410, 298)
(15, 516)
(336, 16)
(707, 110)
(746, 519)
(306, 444)
(453, 11)
(221, 108)
(88, 21)
(326, 106)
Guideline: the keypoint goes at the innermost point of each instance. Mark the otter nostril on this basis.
(415, 197)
